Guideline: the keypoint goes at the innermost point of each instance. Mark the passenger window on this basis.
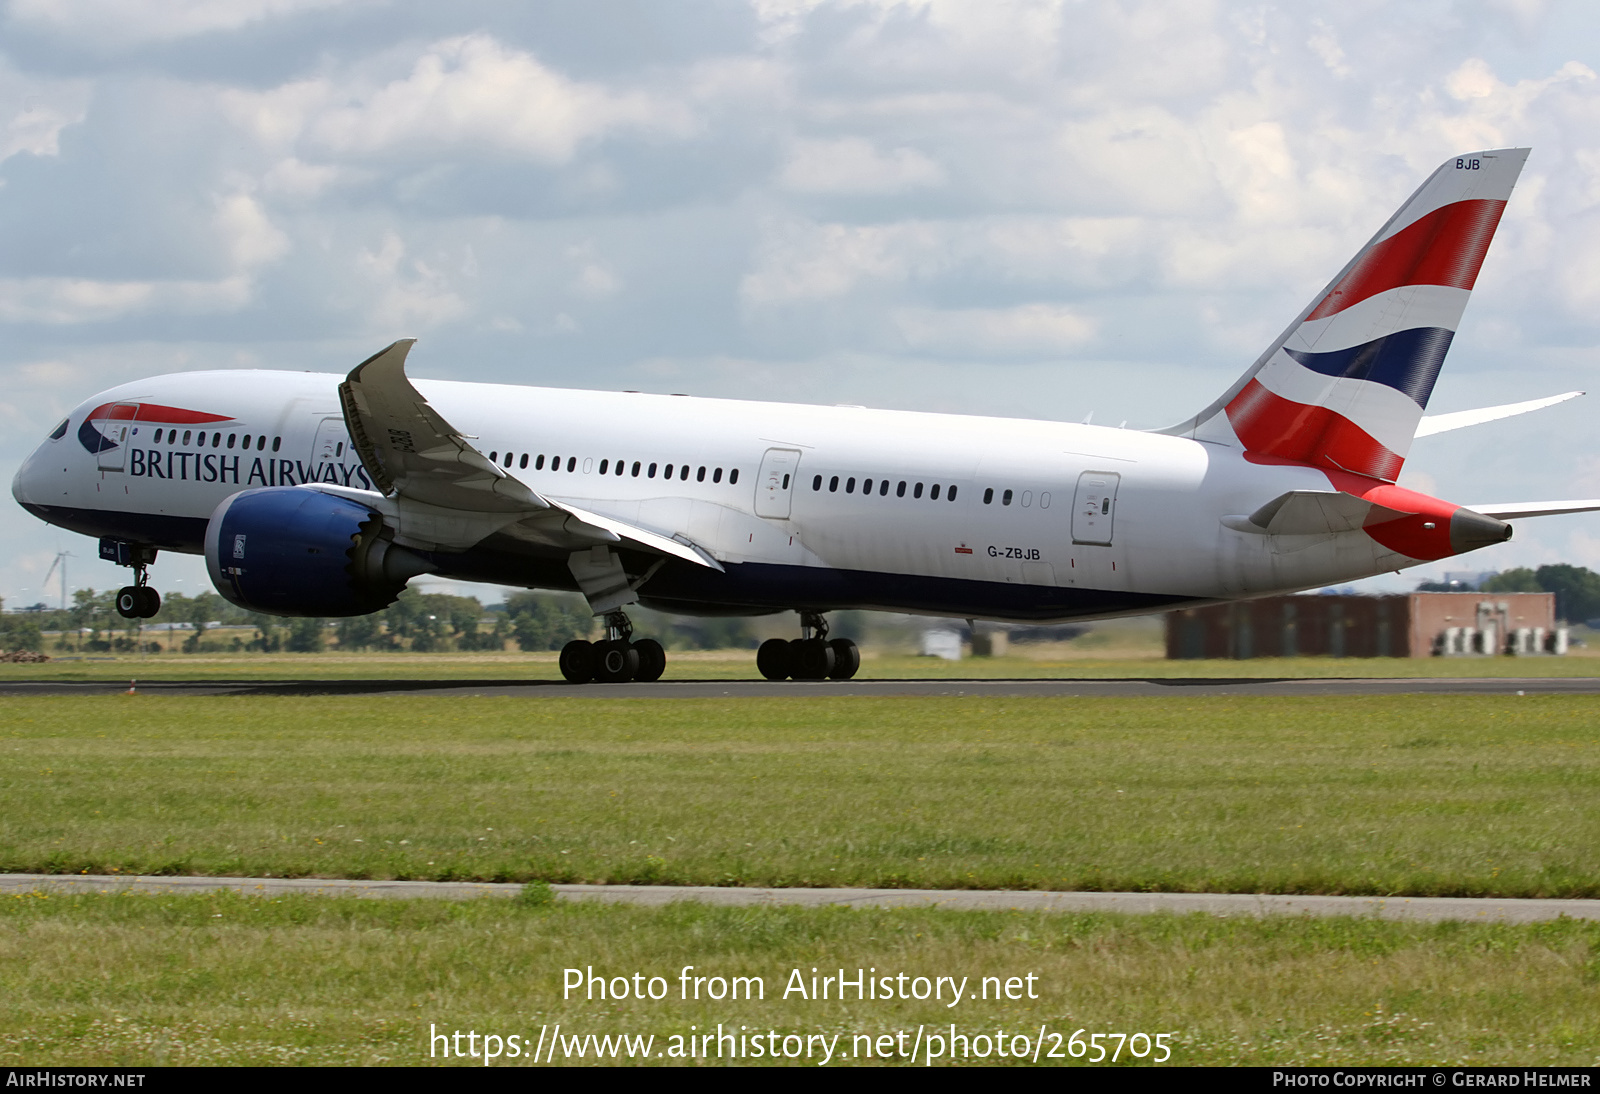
(716, 476)
(668, 473)
(652, 472)
(216, 440)
(538, 464)
(833, 485)
(816, 483)
(916, 491)
(883, 489)
(603, 465)
(683, 473)
(572, 463)
(1005, 499)
(700, 475)
(522, 464)
(900, 491)
(733, 476)
(156, 441)
(635, 468)
(952, 495)
(494, 457)
(509, 457)
(1105, 505)
(277, 442)
(261, 442)
(188, 433)
(785, 482)
(933, 494)
(618, 471)
(850, 485)
(231, 438)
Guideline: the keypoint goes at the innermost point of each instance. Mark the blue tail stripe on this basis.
(1407, 360)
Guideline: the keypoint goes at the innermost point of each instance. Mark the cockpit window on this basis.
(60, 430)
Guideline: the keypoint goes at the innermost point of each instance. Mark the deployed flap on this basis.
(1511, 510)
(415, 456)
(1444, 423)
(1313, 513)
(409, 450)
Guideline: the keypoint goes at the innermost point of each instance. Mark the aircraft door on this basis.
(117, 433)
(1095, 507)
(332, 444)
(775, 483)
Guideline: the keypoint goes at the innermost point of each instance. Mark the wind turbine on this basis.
(61, 560)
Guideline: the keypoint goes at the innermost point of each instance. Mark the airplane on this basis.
(320, 495)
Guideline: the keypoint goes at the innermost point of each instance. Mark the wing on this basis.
(1511, 510)
(1444, 423)
(447, 492)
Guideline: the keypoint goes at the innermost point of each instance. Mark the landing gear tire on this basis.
(846, 659)
(812, 659)
(773, 659)
(137, 602)
(652, 660)
(578, 661)
(615, 661)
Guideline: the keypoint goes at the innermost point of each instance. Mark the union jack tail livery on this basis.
(1345, 386)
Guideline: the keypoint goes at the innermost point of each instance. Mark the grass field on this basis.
(134, 980)
(1391, 795)
(1055, 660)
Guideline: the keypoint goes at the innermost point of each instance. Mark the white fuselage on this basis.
(1047, 520)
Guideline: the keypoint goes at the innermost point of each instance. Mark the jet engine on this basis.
(289, 550)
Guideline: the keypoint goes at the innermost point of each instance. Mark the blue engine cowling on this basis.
(288, 550)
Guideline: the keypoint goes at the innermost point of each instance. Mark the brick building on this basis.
(1407, 625)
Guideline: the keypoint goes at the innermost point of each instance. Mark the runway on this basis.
(1416, 909)
(765, 689)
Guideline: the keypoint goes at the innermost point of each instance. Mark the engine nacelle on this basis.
(288, 550)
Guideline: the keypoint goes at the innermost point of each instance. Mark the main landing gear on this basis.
(616, 659)
(812, 657)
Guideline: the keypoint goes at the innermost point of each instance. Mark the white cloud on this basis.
(410, 295)
(40, 110)
(122, 23)
(1031, 330)
(462, 93)
(59, 301)
(852, 165)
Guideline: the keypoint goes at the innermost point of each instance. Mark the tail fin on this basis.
(1345, 386)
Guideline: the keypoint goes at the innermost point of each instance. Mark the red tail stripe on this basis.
(1270, 425)
(152, 412)
(1446, 247)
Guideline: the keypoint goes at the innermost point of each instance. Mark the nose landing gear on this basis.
(810, 657)
(139, 600)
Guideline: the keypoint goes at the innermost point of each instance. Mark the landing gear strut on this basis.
(810, 657)
(616, 659)
(139, 600)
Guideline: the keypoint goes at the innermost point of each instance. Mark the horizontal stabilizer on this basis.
(1444, 423)
(1313, 513)
(1512, 510)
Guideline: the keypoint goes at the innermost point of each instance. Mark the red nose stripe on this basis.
(152, 412)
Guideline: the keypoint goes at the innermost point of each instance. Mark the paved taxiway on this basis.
(1426, 909)
(718, 689)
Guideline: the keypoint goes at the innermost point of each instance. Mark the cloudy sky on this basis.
(1039, 209)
